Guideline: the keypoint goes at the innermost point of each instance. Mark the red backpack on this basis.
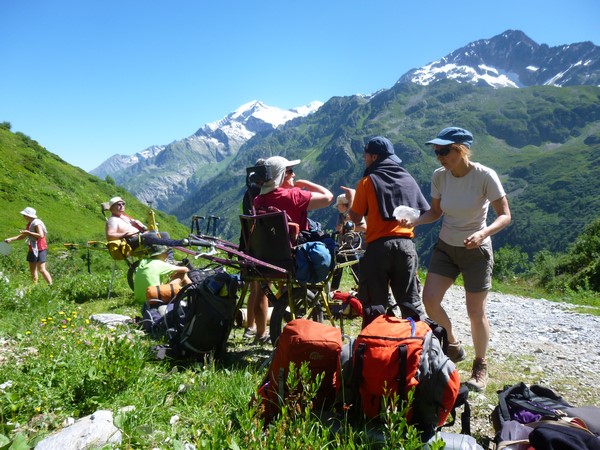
(303, 340)
(392, 356)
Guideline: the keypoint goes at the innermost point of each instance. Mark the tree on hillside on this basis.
(579, 268)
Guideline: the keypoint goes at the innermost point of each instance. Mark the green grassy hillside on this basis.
(66, 198)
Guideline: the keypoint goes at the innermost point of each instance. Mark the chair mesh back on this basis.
(266, 237)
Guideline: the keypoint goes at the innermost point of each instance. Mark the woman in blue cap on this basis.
(461, 191)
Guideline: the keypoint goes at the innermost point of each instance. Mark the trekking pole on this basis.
(196, 223)
(112, 278)
(214, 218)
(89, 266)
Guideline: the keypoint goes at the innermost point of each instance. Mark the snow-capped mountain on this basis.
(159, 173)
(512, 59)
(251, 118)
(224, 135)
(120, 162)
(256, 117)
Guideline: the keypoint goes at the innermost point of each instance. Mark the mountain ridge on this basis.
(512, 59)
(161, 174)
(526, 122)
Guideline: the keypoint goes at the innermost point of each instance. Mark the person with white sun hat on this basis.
(35, 232)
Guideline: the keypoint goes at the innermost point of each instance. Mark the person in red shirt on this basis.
(296, 198)
(35, 233)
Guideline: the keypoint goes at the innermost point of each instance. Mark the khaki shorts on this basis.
(475, 265)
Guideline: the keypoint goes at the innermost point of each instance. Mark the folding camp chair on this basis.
(270, 237)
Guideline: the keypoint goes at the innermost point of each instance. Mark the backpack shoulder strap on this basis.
(356, 378)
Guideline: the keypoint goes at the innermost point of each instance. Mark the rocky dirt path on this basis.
(534, 341)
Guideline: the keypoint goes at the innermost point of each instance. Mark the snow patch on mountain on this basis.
(270, 116)
(489, 75)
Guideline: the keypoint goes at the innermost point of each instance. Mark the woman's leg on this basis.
(480, 327)
(255, 293)
(433, 293)
(261, 311)
(34, 272)
(480, 330)
(41, 267)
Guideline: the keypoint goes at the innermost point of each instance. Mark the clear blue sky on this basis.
(89, 79)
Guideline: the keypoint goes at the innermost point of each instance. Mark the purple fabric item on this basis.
(525, 416)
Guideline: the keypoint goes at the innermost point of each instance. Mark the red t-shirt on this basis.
(41, 242)
(293, 201)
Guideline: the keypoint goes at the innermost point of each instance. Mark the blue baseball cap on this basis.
(453, 135)
(382, 146)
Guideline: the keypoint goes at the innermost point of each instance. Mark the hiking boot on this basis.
(456, 352)
(263, 340)
(249, 333)
(479, 376)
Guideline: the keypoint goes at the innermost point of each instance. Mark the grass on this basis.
(586, 301)
(56, 363)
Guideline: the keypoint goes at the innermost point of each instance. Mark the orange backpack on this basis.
(392, 356)
(303, 340)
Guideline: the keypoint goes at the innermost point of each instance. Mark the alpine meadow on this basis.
(58, 365)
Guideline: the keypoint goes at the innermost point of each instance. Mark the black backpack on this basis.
(157, 319)
(526, 404)
(161, 319)
(203, 315)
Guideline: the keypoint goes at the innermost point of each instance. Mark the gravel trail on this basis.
(557, 337)
(534, 341)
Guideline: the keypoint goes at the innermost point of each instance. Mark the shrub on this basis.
(509, 262)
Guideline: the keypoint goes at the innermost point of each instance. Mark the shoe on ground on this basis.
(456, 352)
(249, 333)
(479, 376)
(263, 340)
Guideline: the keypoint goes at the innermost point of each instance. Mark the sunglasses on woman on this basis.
(443, 151)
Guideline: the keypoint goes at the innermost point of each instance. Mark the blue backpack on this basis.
(314, 261)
